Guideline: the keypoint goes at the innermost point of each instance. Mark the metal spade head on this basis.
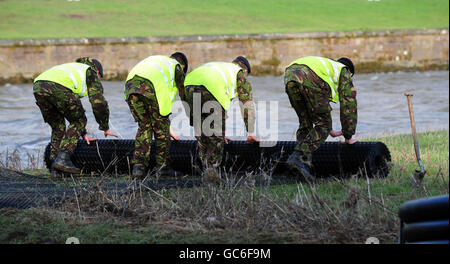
(418, 177)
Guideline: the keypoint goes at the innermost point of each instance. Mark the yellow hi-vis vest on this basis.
(71, 75)
(328, 70)
(219, 78)
(160, 71)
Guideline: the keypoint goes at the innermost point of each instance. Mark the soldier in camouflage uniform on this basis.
(310, 94)
(146, 108)
(211, 147)
(58, 102)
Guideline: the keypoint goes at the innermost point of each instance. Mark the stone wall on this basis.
(371, 51)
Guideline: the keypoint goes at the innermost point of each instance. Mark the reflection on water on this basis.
(382, 109)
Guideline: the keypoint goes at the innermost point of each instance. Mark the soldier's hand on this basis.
(88, 139)
(335, 133)
(251, 138)
(227, 140)
(351, 141)
(172, 134)
(109, 133)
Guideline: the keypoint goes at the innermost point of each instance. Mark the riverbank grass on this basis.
(329, 211)
(24, 19)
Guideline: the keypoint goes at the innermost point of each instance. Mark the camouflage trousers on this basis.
(145, 110)
(309, 96)
(57, 104)
(211, 142)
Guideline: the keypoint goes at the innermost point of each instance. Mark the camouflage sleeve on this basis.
(179, 81)
(244, 90)
(98, 102)
(348, 105)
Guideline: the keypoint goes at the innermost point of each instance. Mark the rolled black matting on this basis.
(425, 220)
(20, 190)
(426, 231)
(331, 159)
(23, 191)
(425, 209)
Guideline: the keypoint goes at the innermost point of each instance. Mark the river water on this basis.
(382, 110)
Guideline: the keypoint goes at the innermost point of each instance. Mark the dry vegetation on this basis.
(237, 210)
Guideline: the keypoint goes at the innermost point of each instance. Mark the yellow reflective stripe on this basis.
(83, 81)
(80, 69)
(233, 80)
(68, 72)
(214, 66)
(169, 65)
(333, 92)
(336, 70)
(151, 63)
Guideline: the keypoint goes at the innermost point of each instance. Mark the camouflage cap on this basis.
(347, 62)
(243, 61)
(181, 58)
(93, 63)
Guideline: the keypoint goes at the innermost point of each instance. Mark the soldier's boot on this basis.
(138, 171)
(53, 172)
(166, 171)
(64, 164)
(299, 163)
(57, 174)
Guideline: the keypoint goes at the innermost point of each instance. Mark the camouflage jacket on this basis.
(245, 95)
(95, 94)
(348, 104)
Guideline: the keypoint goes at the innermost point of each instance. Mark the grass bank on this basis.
(23, 19)
(331, 211)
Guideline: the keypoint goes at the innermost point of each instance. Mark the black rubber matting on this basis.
(331, 159)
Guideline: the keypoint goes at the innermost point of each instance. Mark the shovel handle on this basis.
(413, 129)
